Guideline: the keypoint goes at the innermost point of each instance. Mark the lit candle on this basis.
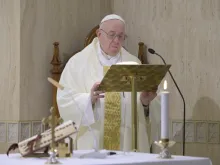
(165, 112)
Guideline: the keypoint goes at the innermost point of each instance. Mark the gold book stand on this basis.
(133, 78)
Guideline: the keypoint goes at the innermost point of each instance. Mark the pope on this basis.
(109, 113)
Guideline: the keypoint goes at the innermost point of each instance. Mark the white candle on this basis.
(165, 112)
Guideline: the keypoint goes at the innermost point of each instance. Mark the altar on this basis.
(130, 158)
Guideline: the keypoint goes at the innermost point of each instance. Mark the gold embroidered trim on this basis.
(112, 120)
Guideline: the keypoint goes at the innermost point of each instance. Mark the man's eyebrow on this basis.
(115, 32)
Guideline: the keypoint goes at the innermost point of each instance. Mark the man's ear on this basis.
(98, 33)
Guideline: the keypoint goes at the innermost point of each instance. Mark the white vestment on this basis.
(79, 75)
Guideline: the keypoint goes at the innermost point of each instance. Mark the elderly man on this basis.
(108, 114)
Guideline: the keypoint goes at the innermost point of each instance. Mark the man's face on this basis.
(111, 36)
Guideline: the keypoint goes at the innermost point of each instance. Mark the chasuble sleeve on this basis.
(74, 103)
(155, 117)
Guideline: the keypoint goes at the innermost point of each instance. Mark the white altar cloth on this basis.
(121, 158)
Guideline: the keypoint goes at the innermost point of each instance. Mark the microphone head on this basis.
(151, 51)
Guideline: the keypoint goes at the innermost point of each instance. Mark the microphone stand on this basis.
(184, 104)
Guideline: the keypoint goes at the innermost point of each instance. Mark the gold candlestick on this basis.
(165, 144)
(53, 121)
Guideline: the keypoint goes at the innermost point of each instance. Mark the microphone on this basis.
(152, 51)
(95, 153)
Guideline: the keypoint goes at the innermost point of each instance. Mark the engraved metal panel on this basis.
(213, 132)
(37, 127)
(2, 132)
(25, 130)
(12, 133)
(177, 132)
(148, 77)
(190, 131)
(201, 132)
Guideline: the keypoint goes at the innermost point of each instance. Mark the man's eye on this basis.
(111, 34)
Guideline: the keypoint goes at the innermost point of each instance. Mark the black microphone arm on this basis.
(184, 104)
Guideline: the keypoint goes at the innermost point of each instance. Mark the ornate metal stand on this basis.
(134, 114)
(165, 144)
(133, 78)
(53, 157)
(52, 121)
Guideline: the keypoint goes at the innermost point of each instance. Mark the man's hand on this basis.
(95, 95)
(147, 97)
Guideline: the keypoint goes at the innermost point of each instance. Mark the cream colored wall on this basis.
(10, 67)
(29, 29)
(10, 59)
(42, 23)
(186, 34)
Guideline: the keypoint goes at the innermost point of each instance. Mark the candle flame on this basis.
(165, 85)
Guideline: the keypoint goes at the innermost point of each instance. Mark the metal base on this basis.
(165, 144)
(53, 158)
(94, 155)
(135, 150)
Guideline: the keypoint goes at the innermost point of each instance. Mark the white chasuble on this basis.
(81, 72)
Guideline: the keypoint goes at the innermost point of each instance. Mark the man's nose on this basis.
(116, 39)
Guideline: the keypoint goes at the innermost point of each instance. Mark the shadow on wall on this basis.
(206, 119)
(204, 112)
(202, 130)
(206, 109)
